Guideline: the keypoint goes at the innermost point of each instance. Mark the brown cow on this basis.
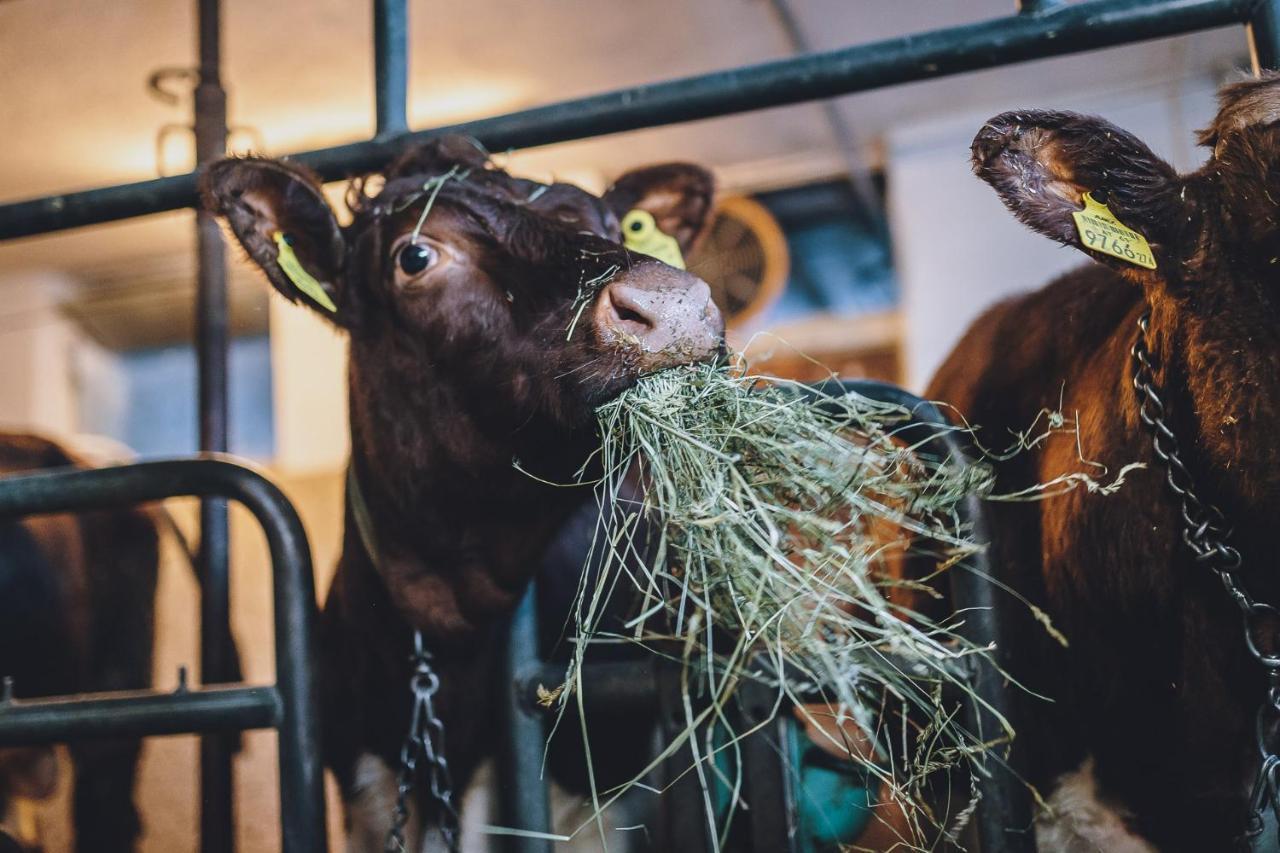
(1149, 742)
(488, 316)
(77, 604)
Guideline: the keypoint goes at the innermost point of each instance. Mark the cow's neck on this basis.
(459, 529)
(1221, 377)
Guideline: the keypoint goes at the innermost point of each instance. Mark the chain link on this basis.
(424, 744)
(1205, 532)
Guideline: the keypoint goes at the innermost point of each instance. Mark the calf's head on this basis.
(1215, 290)
(519, 297)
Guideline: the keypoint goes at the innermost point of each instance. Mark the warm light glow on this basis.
(474, 99)
(302, 127)
(176, 152)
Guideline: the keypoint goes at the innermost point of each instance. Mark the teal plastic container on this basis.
(833, 797)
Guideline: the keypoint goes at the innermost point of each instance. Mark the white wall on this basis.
(309, 390)
(957, 250)
(37, 354)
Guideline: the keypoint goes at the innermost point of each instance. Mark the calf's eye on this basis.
(415, 257)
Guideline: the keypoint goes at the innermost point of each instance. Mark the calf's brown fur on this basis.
(77, 603)
(1156, 685)
(465, 355)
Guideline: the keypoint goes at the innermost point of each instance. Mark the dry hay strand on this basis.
(777, 514)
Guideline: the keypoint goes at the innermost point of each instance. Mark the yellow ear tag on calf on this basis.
(303, 280)
(640, 233)
(1101, 231)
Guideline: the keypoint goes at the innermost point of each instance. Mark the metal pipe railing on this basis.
(524, 735)
(1035, 7)
(390, 67)
(139, 713)
(217, 651)
(1002, 41)
(1004, 818)
(294, 709)
(1264, 35)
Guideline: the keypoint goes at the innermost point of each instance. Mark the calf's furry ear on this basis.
(279, 214)
(1042, 163)
(678, 195)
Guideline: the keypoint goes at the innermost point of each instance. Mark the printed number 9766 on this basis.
(1114, 246)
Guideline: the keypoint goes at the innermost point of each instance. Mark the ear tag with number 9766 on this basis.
(296, 273)
(1101, 231)
(640, 233)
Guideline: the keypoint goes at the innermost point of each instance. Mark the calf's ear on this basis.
(678, 195)
(280, 216)
(1042, 163)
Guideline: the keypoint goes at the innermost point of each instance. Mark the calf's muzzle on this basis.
(666, 314)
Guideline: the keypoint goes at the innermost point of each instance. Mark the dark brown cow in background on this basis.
(1150, 739)
(77, 615)
(483, 330)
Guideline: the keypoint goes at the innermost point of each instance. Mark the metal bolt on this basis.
(6, 690)
(182, 679)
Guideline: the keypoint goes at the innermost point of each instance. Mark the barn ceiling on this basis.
(75, 109)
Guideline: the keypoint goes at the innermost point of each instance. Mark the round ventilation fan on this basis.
(743, 257)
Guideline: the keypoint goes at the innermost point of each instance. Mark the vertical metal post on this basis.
(390, 66)
(1004, 820)
(1264, 36)
(217, 818)
(523, 797)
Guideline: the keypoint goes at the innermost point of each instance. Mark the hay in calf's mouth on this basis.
(773, 517)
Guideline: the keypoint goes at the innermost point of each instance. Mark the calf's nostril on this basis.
(630, 315)
(628, 310)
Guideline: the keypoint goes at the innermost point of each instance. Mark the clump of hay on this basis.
(763, 550)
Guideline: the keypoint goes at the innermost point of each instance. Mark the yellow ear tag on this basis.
(640, 233)
(1101, 231)
(303, 280)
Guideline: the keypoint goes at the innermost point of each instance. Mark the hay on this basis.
(777, 517)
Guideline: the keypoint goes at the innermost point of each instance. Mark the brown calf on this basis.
(77, 603)
(483, 331)
(1154, 700)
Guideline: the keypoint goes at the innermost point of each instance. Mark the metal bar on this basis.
(390, 66)
(766, 770)
(1004, 819)
(217, 803)
(633, 685)
(1003, 41)
(1035, 7)
(301, 778)
(1264, 36)
(524, 798)
(138, 713)
(682, 823)
(615, 686)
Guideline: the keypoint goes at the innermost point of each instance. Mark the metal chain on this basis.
(423, 743)
(1205, 532)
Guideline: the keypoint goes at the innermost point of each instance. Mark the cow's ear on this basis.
(280, 216)
(1041, 164)
(678, 195)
